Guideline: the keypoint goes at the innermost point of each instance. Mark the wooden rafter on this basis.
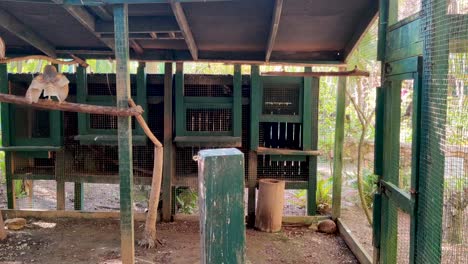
(16, 27)
(86, 19)
(184, 27)
(141, 24)
(136, 47)
(274, 28)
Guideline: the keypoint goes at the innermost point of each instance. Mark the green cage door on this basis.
(400, 123)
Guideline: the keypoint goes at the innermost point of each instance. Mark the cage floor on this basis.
(98, 241)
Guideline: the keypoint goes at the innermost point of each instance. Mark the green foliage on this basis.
(324, 187)
(369, 186)
(187, 201)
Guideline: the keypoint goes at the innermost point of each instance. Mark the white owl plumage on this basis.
(2, 49)
(51, 83)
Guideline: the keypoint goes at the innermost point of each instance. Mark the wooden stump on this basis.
(270, 205)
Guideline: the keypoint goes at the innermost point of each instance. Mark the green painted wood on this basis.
(288, 158)
(382, 33)
(221, 194)
(5, 108)
(376, 221)
(9, 181)
(338, 148)
(81, 93)
(169, 150)
(402, 66)
(307, 111)
(124, 134)
(141, 94)
(251, 185)
(379, 126)
(29, 148)
(207, 100)
(296, 185)
(237, 102)
(404, 35)
(179, 100)
(392, 12)
(400, 198)
(110, 140)
(79, 196)
(208, 140)
(207, 106)
(312, 189)
(255, 106)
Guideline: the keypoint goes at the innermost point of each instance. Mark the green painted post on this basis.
(124, 133)
(5, 108)
(255, 106)
(338, 149)
(237, 102)
(169, 164)
(79, 196)
(179, 100)
(59, 178)
(141, 93)
(310, 135)
(221, 198)
(81, 92)
(252, 182)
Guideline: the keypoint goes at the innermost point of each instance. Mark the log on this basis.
(3, 233)
(270, 205)
(145, 126)
(354, 72)
(72, 107)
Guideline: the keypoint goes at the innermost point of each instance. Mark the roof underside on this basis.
(308, 31)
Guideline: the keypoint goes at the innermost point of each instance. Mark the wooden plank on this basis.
(382, 33)
(255, 106)
(307, 111)
(251, 185)
(303, 220)
(221, 194)
(312, 189)
(275, 20)
(124, 134)
(185, 28)
(179, 100)
(17, 28)
(338, 148)
(237, 102)
(48, 214)
(87, 20)
(169, 150)
(208, 141)
(358, 250)
(281, 118)
(277, 151)
(142, 24)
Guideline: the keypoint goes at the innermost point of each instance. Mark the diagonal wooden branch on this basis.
(72, 107)
(145, 126)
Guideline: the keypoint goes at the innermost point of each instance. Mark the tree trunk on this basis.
(270, 205)
(3, 233)
(149, 236)
(359, 175)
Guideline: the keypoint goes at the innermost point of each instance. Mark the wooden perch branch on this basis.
(145, 127)
(354, 72)
(42, 57)
(72, 107)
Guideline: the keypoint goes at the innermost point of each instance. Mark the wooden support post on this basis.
(141, 92)
(124, 134)
(79, 196)
(59, 178)
(221, 194)
(338, 149)
(255, 106)
(252, 182)
(81, 92)
(169, 164)
(5, 108)
(179, 100)
(310, 135)
(237, 102)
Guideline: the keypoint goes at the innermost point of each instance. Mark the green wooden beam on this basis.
(338, 148)
(382, 33)
(185, 28)
(79, 196)
(169, 149)
(59, 177)
(221, 192)
(17, 28)
(81, 93)
(124, 134)
(142, 24)
(255, 106)
(237, 102)
(179, 100)
(275, 20)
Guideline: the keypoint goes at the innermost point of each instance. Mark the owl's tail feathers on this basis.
(32, 95)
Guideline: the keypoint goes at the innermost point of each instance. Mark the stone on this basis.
(15, 223)
(327, 226)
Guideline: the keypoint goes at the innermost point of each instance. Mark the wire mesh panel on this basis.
(444, 147)
(209, 120)
(281, 98)
(280, 135)
(208, 85)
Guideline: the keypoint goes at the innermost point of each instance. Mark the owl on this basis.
(51, 83)
(2, 48)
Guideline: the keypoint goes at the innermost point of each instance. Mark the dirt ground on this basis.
(98, 241)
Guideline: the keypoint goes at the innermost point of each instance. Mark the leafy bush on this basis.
(369, 186)
(187, 200)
